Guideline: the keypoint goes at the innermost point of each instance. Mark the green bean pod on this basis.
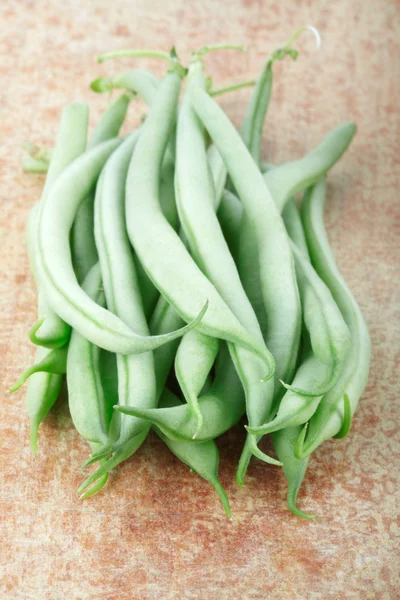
(282, 301)
(42, 392)
(88, 405)
(283, 182)
(158, 246)
(330, 336)
(284, 442)
(202, 458)
(330, 415)
(83, 246)
(197, 214)
(44, 387)
(136, 377)
(51, 331)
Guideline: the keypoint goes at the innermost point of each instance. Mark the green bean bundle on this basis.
(180, 286)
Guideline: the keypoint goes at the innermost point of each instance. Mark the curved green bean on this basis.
(86, 398)
(51, 331)
(83, 246)
(330, 415)
(284, 442)
(136, 377)
(282, 299)
(283, 182)
(196, 209)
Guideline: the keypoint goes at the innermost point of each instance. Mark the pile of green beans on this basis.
(183, 284)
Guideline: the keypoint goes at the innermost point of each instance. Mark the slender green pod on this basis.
(283, 182)
(253, 122)
(330, 415)
(284, 442)
(281, 301)
(202, 458)
(136, 376)
(51, 331)
(83, 246)
(286, 180)
(157, 245)
(194, 193)
(330, 336)
(87, 402)
(42, 392)
(43, 388)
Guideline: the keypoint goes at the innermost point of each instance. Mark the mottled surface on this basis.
(157, 531)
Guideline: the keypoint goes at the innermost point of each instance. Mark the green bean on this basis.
(136, 377)
(221, 407)
(196, 209)
(294, 469)
(51, 331)
(98, 325)
(83, 247)
(197, 352)
(202, 458)
(330, 336)
(87, 402)
(42, 392)
(43, 389)
(330, 415)
(282, 299)
(253, 122)
(149, 292)
(283, 182)
(158, 246)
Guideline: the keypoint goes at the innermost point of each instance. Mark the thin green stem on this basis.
(133, 53)
(232, 88)
(215, 47)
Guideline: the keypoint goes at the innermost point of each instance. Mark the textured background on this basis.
(157, 531)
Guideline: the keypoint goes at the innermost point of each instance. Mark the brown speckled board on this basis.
(158, 532)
